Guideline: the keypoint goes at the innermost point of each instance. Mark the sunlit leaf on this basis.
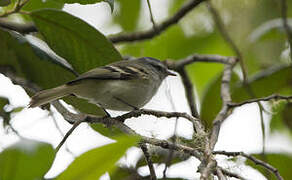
(94, 163)
(73, 39)
(27, 159)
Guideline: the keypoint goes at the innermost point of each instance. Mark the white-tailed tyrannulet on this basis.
(122, 85)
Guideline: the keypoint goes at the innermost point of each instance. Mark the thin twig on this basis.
(253, 159)
(189, 91)
(149, 161)
(75, 125)
(178, 64)
(60, 131)
(151, 15)
(268, 98)
(148, 34)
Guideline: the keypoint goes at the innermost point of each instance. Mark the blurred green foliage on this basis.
(26, 159)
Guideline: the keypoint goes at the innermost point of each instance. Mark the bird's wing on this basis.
(110, 72)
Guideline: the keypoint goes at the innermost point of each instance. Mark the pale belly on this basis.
(118, 95)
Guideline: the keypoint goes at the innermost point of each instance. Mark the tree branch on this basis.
(189, 91)
(149, 161)
(268, 98)
(210, 163)
(178, 64)
(253, 159)
(148, 34)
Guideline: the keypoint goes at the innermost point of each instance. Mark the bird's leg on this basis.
(119, 99)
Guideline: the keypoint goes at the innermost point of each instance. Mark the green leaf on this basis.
(40, 4)
(282, 162)
(94, 163)
(18, 109)
(27, 159)
(4, 3)
(128, 14)
(20, 56)
(73, 39)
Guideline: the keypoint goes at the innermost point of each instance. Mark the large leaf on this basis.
(27, 159)
(282, 162)
(79, 43)
(44, 72)
(94, 163)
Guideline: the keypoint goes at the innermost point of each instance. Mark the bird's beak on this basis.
(170, 73)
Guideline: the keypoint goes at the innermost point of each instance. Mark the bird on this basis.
(122, 86)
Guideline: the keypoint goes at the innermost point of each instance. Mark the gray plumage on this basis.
(118, 86)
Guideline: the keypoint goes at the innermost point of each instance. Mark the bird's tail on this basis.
(46, 96)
